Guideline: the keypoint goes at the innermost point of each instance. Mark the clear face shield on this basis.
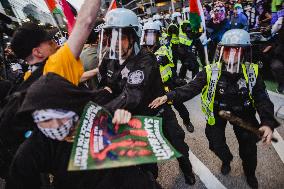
(233, 57)
(110, 44)
(116, 45)
(149, 37)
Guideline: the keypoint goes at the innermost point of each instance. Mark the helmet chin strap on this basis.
(119, 43)
(239, 59)
(221, 53)
(101, 46)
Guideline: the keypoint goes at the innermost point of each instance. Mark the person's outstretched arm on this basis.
(183, 93)
(84, 24)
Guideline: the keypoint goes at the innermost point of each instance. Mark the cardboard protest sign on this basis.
(99, 144)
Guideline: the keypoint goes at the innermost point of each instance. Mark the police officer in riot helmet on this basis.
(176, 18)
(186, 56)
(164, 57)
(173, 36)
(119, 42)
(231, 83)
(150, 36)
(158, 19)
(132, 76)
(124, 68)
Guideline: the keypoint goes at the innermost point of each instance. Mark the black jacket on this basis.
(39, 154)
(231, 96)
(13, 128)
(135, 83)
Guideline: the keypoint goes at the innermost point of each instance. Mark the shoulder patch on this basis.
(135, 77)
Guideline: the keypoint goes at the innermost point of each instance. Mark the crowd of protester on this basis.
(48, 77)
(263, 16)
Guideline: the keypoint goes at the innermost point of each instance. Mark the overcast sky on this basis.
(76, 3)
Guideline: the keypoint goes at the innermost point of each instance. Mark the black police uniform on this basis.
(186, 56)
(229, 96)
(135, 84)
(173, 29)
(171, 84)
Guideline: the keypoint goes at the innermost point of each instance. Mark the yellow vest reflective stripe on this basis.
(175, 39)
(166, 72)
(250, 72)
(166, 51)
(183, 39)
(170, 56)
(213, 73)
(163, 39)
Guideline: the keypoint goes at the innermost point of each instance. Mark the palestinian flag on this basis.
(64, 8)
(68, 14)
(195, 10)
(112, 5)
(197, 21)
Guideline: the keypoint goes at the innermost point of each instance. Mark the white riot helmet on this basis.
(167, 16)
(176, 17)
(150, 34)
(158, 22)
(139, 20)
(185, 13)
(234, 49)
(157, 17)
(119, 23)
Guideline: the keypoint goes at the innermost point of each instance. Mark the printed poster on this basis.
(99, 144)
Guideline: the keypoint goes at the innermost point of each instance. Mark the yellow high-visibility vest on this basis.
(213, 72)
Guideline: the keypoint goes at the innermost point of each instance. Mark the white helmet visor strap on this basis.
(239, 59)
(114, 46)
(221, 54)
(119, 44)
(142, 38)
(101, 47)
